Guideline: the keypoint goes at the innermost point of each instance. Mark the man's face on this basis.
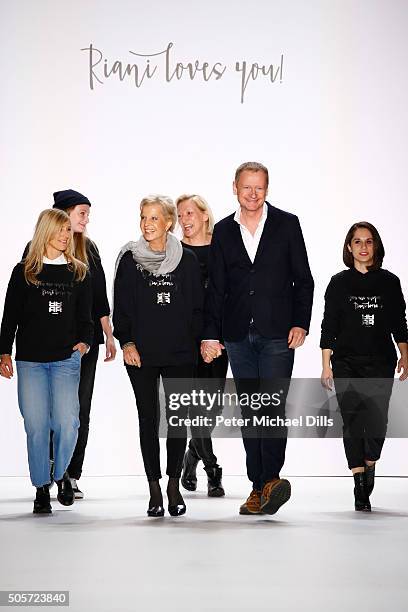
(251, 189)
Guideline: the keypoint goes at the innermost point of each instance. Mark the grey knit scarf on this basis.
(155, 262)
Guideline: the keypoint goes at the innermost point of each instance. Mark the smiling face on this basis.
(362, 247)
(79, 217)
(154, 226)
(59, 241)
(251, 190)
(193, 221)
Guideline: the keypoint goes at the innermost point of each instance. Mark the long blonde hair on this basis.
(81, 242)
(49, 223)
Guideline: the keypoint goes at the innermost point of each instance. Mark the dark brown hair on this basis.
(379, 252)
(251, 167)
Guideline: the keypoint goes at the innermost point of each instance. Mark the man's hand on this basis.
(131, 356)
(6, 366)
(211, 349)
(81, 347)
(403, 365)
(296, 337)
(110, 348)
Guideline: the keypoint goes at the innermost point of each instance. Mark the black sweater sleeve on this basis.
(12, 309)
(399, 321)
(216, 290)
(100, 299)
(330, 323)
(122, 307)
(198, 297)
(85, 326)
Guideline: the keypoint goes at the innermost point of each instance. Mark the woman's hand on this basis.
(6, 366)
(403, 365)
(327, 378)
(131, 356)
(81, 347)
(110, 348)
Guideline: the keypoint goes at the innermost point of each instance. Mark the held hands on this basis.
(403, 365)
(296, 337)
(327, 378)
(211, 349)
(6, 366)
(81, 347)
(110, 348)
(131, 356)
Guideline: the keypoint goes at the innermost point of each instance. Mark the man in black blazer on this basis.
(259, 300)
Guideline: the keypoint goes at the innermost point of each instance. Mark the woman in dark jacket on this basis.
(48, 310)
(157, 319)
(197, 224)
(364, 310)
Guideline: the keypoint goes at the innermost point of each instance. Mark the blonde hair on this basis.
(80, 242)
(166, 204)
(202, 205)
(49, 223)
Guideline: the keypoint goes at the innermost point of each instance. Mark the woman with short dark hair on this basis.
(364, 312)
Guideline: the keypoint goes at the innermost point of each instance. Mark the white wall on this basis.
(333, 133)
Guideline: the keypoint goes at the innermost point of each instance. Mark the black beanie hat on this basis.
(67, 198)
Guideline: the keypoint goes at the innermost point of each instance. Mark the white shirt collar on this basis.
(237, 216)
(59, 261)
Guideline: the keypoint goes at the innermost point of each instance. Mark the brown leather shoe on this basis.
(275, 493)
(252, 504)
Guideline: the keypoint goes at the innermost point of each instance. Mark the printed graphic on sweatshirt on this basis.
(364, 304)
(162, 281)
(55, 308)
(56, 294)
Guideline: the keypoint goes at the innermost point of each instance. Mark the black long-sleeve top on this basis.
(162, 314)
(100, 303)
(362, 314)
(49, 318)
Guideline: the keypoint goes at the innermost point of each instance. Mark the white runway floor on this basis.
(315, 554)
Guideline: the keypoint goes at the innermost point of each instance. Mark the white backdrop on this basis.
(332, 128)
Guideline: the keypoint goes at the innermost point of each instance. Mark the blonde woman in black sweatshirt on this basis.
(364, 312)
(157, 319)
(48, 311)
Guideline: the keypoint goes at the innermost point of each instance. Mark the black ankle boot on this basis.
(189, 475)
(65, 493)
(361, 501)
(370, 477)
(156, 500)
(215, 488)
(177, 507)
(42, 503)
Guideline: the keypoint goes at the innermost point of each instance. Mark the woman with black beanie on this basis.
(364, 311)
(157, 319)
(77, 206)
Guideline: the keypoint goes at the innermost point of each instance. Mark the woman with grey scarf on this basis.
(157, 319)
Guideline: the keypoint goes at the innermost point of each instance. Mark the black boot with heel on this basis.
(361, 500)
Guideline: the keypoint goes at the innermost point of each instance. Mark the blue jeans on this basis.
(262, 364)
(48, 400)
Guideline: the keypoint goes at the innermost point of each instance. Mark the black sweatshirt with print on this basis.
(362, 314)
(162, 314)
(49, 318)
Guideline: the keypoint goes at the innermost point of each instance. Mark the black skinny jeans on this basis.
(363, 389)
(214, 372)
(86, 387)
(145, 383)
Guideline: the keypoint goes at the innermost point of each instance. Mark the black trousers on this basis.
(214, 372)
(363, 389)
(86, 387)
(145, 383)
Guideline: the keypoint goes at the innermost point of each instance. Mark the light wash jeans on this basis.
(48, 400)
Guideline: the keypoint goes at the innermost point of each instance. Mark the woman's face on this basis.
(61, 238)
(362, 247)
(153, 223)
(192, 220)
(79, 217)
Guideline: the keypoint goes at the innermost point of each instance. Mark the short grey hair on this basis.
(165, 203)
